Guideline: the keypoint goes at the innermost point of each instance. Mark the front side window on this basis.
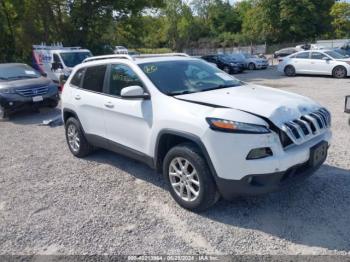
(187, 76)
(304, 55)
(122, 76)
(94, 78)
(317, 55)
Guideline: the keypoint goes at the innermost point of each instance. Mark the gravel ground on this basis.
(53, 203)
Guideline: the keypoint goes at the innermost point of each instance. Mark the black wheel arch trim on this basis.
(189, 136)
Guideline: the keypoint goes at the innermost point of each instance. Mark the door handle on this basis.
(109, 105)
(77, 97)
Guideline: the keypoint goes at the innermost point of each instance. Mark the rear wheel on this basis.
(76, 140)
(251, 66)
(289, 71)
(339, 72)
(189, 179)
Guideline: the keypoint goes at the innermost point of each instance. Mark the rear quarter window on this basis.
(94, 78)
(76, 80)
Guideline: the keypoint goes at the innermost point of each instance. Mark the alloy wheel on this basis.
(339, 72)
(184, 179)
(73, 138)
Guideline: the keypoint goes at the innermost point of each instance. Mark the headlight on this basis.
(7, 91)
(232, 64)
(236, 127)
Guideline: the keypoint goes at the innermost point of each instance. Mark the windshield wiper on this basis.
(219, 87)
(181, 93)
(21, 76)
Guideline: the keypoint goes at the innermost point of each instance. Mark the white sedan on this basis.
(315, 62)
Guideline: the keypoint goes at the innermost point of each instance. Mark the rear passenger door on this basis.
(88, 99)
(301, 62)
(128, 121)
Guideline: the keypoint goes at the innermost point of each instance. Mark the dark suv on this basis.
(22, 87)
(225, 62)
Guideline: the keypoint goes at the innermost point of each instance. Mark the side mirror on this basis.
(44, 74)
(134, 92)
(326, 58)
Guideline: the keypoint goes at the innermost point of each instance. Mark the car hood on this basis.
(276, 105)
(26, 83)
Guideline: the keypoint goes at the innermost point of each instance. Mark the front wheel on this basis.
(289, 71)
(339, 72)
(76, 140)
(251, 66)
(189, 179)
(53, 104)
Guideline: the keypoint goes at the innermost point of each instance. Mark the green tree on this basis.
(341, 19)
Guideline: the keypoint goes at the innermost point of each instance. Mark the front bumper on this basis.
(16, 102)
(252, 185)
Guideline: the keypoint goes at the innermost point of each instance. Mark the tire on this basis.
(289, 70)
(201, 182)
(3, 114)
(339, 72)
(251, 66)
(227, 69)
(53, 104)
(74, 133)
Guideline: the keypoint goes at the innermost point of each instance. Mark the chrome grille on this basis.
(308, 126)
(30, 92)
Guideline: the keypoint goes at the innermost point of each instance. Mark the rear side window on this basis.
(304, 55)
(76, 80)
(122, 76)
(94, 78)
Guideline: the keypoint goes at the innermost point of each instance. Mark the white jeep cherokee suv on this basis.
(210, 134)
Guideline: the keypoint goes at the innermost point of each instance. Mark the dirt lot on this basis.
(53, 203)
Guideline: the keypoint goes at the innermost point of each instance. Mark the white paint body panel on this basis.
(136, 123)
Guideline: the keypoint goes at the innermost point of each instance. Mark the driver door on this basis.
(128, 121)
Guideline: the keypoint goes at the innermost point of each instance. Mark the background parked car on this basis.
(21, 86)
(255, 62)
(316, 62)
(284, 52)
(121, 50)
(57, 61)
(225, 62)
(239, 59)
(344, 52)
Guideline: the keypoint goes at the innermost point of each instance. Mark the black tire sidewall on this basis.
(344, 69)
(251, 66)
(207, 190)
(84, 148)
(286, 70)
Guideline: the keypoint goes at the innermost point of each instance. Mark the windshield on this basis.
(18, 71)
(71, 59)
(187, 76)
(335, 55)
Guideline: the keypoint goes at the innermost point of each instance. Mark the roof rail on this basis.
(160, 55)
(104, 57)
